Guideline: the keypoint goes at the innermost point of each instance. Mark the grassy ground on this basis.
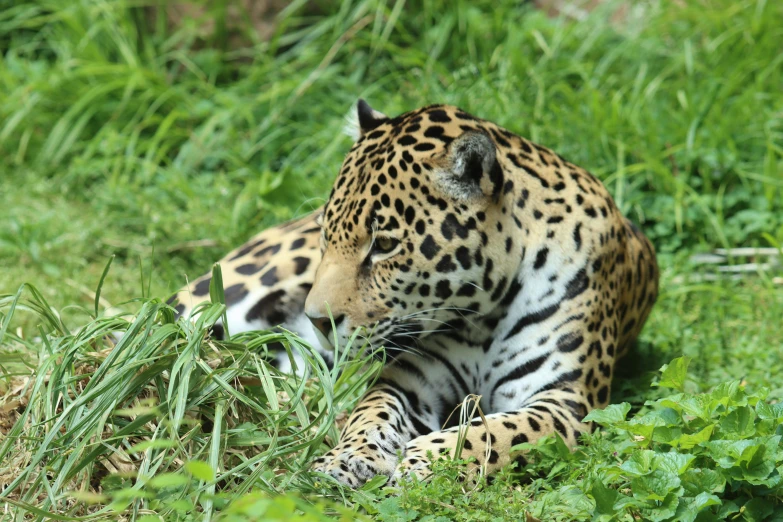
(123, 140)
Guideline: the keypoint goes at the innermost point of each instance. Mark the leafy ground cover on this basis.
(164, 151)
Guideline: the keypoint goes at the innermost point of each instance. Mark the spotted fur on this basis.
(265, 283)
(484, 263)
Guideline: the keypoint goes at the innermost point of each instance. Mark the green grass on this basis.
(119, 139)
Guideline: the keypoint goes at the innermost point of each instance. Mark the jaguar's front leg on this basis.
(552, 411)
(377, 430)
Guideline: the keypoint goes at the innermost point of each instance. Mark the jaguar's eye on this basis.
(384, 245)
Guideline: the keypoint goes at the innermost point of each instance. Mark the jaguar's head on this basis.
(416, 232)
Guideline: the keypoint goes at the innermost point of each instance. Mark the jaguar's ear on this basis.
(363, 120)
(369, 118)
(469, 169)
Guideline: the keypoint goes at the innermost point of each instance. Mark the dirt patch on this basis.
(235, 25)
(580, 9)
(12, 403)
(244, 22)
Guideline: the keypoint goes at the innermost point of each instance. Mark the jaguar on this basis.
(485, 265)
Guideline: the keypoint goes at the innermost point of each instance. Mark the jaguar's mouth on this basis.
(397, 339)
(384, 337)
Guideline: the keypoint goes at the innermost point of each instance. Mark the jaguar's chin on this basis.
(325, 342)
(347, 339)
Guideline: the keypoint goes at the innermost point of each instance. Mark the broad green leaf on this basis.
(671, 402)
(739, 423)
(659, 417)
(645, 431)
(673, 374)
(690, 507)
(701, 406)
(673, 462)
(729, 453)
(604, 498)
(662, 510)
(758, 466)
(389, 510)
(575, 500)
(375, 483)
(656, 485)
(757, 509)
(551, 446)
(611, 414)
(699, 480)
(640, 463)
(688, 441)
(728, 508)
(667, 435)
(729, 394)
(769, 411)
(751, 460)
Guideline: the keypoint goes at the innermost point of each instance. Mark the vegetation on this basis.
(125, 139)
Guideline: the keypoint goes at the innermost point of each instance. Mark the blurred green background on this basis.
(140, 132)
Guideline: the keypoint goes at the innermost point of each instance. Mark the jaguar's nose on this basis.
(324, 324)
